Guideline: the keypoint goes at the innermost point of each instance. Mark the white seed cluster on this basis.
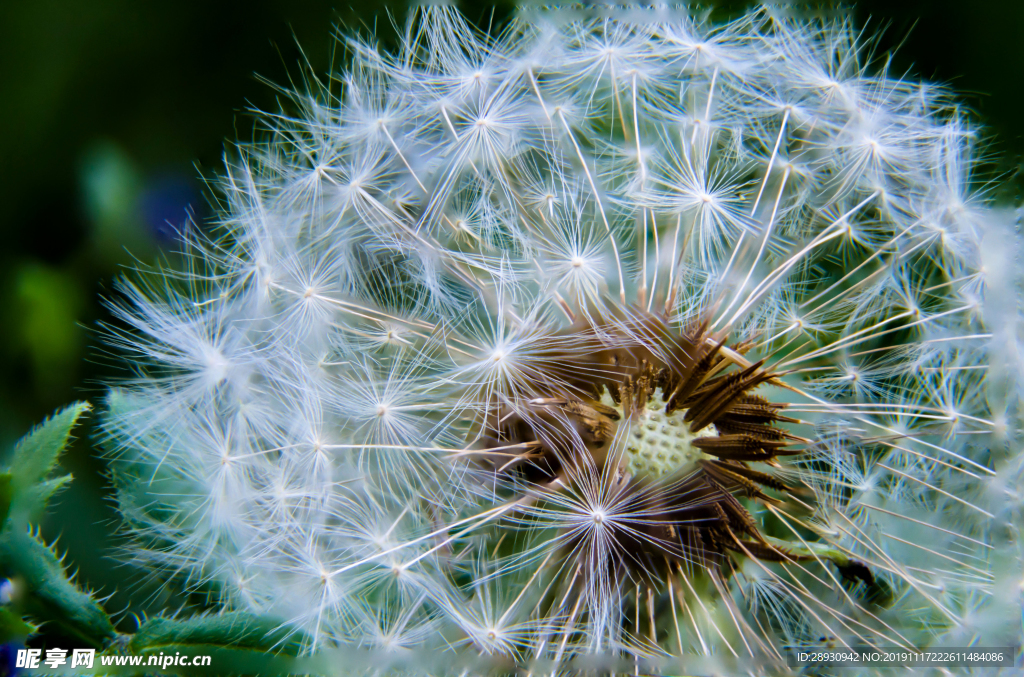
(433, 238)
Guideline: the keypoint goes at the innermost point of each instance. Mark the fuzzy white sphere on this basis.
(397, 399)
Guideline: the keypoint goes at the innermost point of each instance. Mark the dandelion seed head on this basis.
(615, 331)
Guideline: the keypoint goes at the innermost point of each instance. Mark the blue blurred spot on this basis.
(168, 206)
(8, 657)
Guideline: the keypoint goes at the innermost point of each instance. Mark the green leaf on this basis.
(50, 597)
(34, 458)
(13, 627)
(237, 630)
(33, 499)
(6, 495)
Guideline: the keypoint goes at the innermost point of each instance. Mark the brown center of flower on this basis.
(678, 416)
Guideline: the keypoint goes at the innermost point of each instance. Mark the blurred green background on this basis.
(111, 109)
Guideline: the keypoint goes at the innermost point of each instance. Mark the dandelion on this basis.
(616, 333)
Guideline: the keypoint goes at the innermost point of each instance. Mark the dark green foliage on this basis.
(238, 630)
(45, 596)
(44, 592)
